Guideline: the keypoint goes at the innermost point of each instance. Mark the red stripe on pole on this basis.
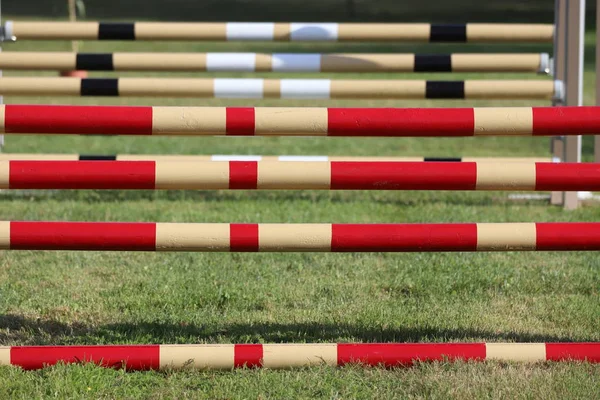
(83, 236)
(243, 237)
(573, 351)
(135, 357)
(107, 120)
(566, 120)
(404, 237)
(568, 236)
(248, 355)
(567, 176)
(82, 174)
(239, 121)
(243, 174)
(406, 354)
(401, 122)
(403, 175)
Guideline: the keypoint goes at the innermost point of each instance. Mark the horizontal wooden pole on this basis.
(327, 175)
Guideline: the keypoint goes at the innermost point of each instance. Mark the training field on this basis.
(101, 298)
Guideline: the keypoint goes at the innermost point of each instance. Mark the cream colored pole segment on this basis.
(522, 352)
(38, 60)
(506, 176)
(4, 355)
(299, 355)
(180, 31)
(294, 175)
(197, 356)
(290, 121)
(151, 87)
(5, 174)
(2, 119)
(367, 62)
(192, 175)
(506, 121)
(189, 121)
(377, 89)
(510, 32)
(192, 237)
(40, 86)
(506, 89)
(159, 61)
(4, 235)
(271, 88)
(506, 237)
(294, 237)
(55, 30)
(495, 62)
(383, 32)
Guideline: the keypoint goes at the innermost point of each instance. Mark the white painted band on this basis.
(285, 62)
(245, 62)
(238, 88)
(303, 158)
(250, 30)
(313, 32)
(8, 30)
(219, 157)
(305, 88)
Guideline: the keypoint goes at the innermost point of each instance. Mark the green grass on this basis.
(95, 298)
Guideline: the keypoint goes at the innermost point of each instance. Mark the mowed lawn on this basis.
(100, 298)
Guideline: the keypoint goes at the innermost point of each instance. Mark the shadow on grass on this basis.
(25, 331)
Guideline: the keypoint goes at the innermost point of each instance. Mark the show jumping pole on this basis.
(192, 237)
(328, 175)
(298, 121)
(276, 356)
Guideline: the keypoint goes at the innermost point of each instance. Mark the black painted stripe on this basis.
(100, 87)
(84, 157)
(94, 62)
(448, 33)
(442, 159)
(433, 63)
(445, 90)
(116, 31)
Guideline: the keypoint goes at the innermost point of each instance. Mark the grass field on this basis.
(97, 298)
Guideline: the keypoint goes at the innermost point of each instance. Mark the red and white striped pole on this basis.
(325, 175)
(202, 237)
(298, 121)
(229, 356)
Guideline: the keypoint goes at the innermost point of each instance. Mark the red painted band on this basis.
(401, 121)
(134, 357)
(404, 237)
(243, 237)
(243, 174)
(82, 174)
(248, 355)
(567, 176)
(239, 121)
(573, 351)
(403, 175)
(396, 354)
(549, 121)
(121, 236)
(568, 236)
(102, 120)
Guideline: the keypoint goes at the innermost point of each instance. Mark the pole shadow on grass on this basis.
(20, 330)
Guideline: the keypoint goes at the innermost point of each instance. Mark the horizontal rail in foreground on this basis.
(229, 356)
(124, 236)
(244, 157)
(281, 32)
(300, 121)
(276, 62)
(253, 88)
(329, 175)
